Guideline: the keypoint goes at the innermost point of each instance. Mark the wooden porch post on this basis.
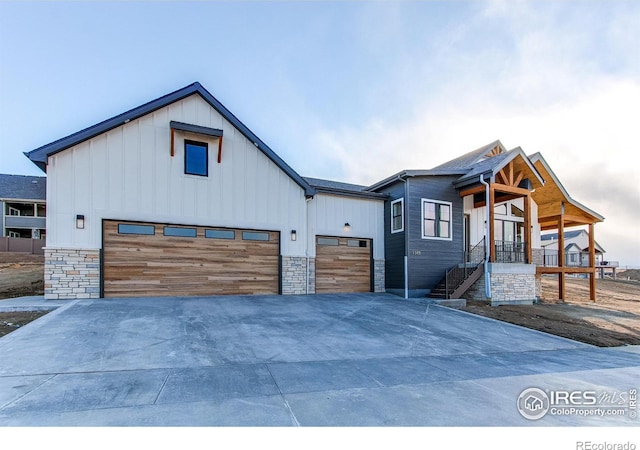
(592, 263)
(527, 230)
(561, 253)
(491, 219)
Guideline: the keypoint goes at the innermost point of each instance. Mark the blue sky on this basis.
(352, 91)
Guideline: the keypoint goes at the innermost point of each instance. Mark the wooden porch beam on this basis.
(510, 189)
(527, 230)
(472, 190)
(567, 218)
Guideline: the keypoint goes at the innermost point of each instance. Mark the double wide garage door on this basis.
(151, 259)
(343, 265)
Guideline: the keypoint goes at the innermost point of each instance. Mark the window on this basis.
(516, 212)
(436, 219)
(254, 236)
(220, 234)
(180, 232)
(328, 241)
(501, 209)
(124, 228)
(196, 158)
(13, 211)
(397, 215)
(356, 243)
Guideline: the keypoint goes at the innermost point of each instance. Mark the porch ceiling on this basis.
(552, 196)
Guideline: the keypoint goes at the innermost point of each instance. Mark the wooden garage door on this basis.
(343, 265)
(147, 259)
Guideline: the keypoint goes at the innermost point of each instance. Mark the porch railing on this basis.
(455, 276)
(509, 251)
(549, 258)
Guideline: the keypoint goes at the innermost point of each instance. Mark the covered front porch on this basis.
(507, 208)
(557, 211)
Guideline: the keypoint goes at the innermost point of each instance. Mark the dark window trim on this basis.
(206, 156)
(256, 236)
(194, 230)
(225, 234)
(140, 226)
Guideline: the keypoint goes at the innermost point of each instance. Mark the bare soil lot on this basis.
(21, 274)
(612, 321)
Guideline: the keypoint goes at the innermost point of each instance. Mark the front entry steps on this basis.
(461, 279)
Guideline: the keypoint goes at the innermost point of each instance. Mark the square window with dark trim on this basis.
(196, 158)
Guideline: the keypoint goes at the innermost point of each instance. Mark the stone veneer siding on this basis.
(294, 275)
(378, 275)
(71, 273)
(510, 284)
(294, 279)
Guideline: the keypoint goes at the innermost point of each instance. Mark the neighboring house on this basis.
(178, 197)
(23, 209)
(576, 248)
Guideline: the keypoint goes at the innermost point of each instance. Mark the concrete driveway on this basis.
(324, 360)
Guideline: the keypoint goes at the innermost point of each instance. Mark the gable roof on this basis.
(490, 166)
(567, 235)
(487, 161)
(337, 187)
(470, 159)
(23, 187)
(555, 193)
(39, 156)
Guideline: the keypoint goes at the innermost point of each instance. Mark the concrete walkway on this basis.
(325, 360)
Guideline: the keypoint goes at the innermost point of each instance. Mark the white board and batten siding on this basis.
(128, 173)
(329, 213)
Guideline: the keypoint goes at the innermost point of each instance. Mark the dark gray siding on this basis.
(429, 259)
(394, 244)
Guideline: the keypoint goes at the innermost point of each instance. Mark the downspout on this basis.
(306, 246)
(405, 204)
(487, 276)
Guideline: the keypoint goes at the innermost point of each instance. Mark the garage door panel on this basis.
(155, 265)
(343, 267)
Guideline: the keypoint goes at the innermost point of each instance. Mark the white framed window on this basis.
(14, 212)
(397, 215)
(436, 219)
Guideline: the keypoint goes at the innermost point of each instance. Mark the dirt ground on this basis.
(613, 320)
(21, 274)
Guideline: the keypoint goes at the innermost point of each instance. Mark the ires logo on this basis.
(573, 398)
(535, 403)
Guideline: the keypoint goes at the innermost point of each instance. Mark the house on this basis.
(472, 226)
(179, 197)
(23, 209)
(576, 248)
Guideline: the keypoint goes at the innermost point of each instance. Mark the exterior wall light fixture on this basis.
(79, 221)
(294, 235)
(347, 227)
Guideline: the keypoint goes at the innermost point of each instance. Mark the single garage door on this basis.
(151, 259)
(343, 265)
